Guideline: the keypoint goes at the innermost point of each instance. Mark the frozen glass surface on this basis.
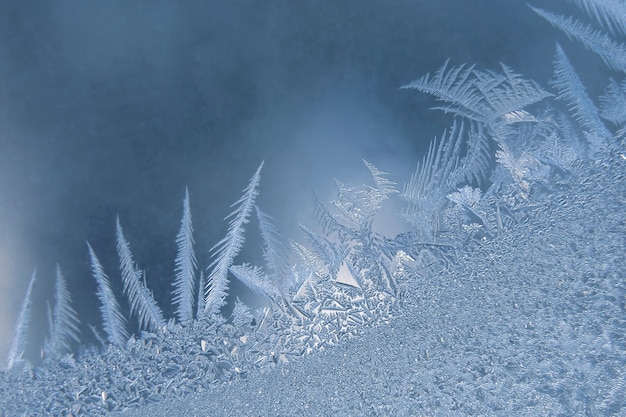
(194, 148)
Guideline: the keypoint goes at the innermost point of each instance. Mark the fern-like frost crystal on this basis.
(64, 326)
(254, 279)
(610, 14)
(225, 251)
(20, 338)
(185, 280)
(613, 103)
(142, 303)
(113, 320)
(572, 91)
(481, 96)
(275, 252)
(613, 53)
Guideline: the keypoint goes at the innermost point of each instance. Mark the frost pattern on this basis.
(63, 322)
(185, 281)
(502, 322)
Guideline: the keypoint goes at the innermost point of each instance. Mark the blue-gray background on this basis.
(114, 107)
